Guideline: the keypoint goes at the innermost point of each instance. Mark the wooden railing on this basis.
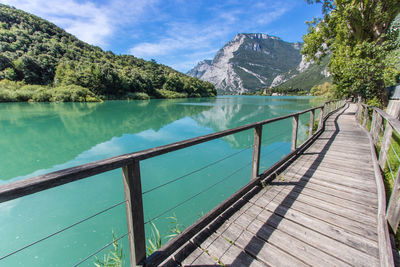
(381, 128)
(130, 164)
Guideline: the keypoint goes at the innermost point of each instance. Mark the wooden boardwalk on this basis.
(321, 211)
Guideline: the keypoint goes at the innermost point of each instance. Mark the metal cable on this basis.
(61, 230)
(397, 156)
(202, 191)
(192, 172)
(391, 173)
(273, 137)
(97, 251)
(208, 165)
(272, 151)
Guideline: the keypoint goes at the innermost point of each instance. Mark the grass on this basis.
(394, 166)
(18, 92)
(114, 258)
(394, 163)
(155, 240)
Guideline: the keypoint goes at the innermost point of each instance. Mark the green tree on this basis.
(358, 37)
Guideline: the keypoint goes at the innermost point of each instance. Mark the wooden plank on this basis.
(313, 168)
(342, 156)
(377, 128)
(334, 168)
(369, 200)
(305, 252)
(134, 213)
(258, 248)
(311, 122)
(335, 159)
(256, 151)
(346, 253)
(387, 136)
(333, 178)
(197, 257)
(393, 209)
(294, 132)
(361, 210)
(385, 250)
(395, 123)
(321, 117)
(343, 183)
(170, 263)
(322, 204)
(280, 199)
(340, 234)
(224, 251)
(365, 117)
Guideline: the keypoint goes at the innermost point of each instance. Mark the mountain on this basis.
(41, 62)
(252, 61)
(302, 78)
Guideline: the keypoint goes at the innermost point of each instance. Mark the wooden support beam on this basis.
(256, 151)
(134, 213)
(378, 128)
(358, 112)
(294, 132)
(373, 123)
(321, 118)
(393, 210)
(310, 129)
(387, 136)
(365, 117)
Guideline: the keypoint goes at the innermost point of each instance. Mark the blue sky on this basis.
(176, 33)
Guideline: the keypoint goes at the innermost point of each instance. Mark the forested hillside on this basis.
(36, 52)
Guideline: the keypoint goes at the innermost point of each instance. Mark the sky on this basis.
(177, 33)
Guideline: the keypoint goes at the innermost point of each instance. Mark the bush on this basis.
(42, 95)
(137, 96)
(163, 93)
(16, 91)
(72, 93)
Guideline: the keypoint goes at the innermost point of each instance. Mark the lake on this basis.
(38, 138)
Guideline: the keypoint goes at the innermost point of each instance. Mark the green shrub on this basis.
(137, 96)
(163, 93)
(8, 95)
(42, 95)
(72, 93)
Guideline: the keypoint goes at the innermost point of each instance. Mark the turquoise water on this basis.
(37, 138)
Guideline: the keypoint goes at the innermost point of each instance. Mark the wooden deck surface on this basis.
(321, 211)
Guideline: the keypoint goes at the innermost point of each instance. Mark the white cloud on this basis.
(188, 39)
(89, 21)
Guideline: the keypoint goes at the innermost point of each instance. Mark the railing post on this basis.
(310, 130)
(321, 118)
(294, 132)
(360, 111)
(393, 210)
(377, 128)
(256, 151)
(385, 145)
(366, 115)
(134, 212)
(373, 123)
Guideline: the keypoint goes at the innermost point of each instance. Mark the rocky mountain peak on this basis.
(250, 62)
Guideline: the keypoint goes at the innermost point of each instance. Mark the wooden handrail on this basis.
(130, 164)
(42, 182)
(392, 124)
(387, 214)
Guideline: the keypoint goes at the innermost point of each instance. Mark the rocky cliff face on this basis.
(252, 61)
(249, 62)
